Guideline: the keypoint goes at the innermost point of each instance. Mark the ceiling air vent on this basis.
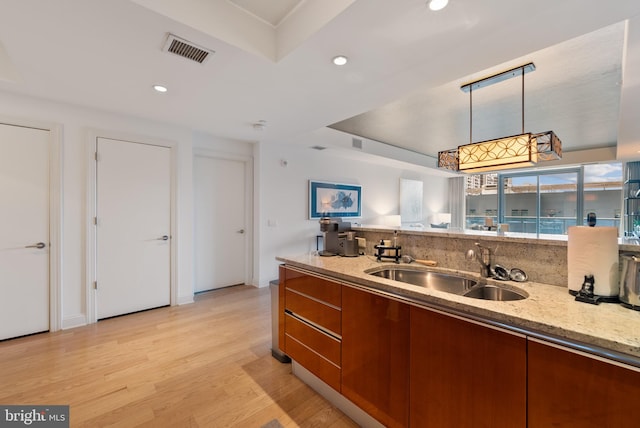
(186, 49)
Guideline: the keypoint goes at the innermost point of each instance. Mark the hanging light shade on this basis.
(549, 146)
(502, 153)
(515, 151)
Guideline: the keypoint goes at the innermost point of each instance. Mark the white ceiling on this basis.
(273, 11)
(574, 91)
(401, 85)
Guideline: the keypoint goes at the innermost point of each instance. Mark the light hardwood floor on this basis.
(206, 364)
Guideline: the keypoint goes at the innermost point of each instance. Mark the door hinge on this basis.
(95, 221)
(95, 285)
(95, 156)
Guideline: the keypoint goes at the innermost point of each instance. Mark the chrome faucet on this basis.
(483, 256)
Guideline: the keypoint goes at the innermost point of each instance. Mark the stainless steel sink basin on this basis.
(493, 292)
(432, 280)
(451, 284)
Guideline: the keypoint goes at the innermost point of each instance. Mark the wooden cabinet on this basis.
(413, 366)
(375, 355)
(282, 271)
(310, 323)
(464, 374)
(567, 390)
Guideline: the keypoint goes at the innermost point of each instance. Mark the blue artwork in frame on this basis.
(334, 200)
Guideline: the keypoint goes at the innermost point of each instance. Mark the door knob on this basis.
(164, 238)
(241, 231)
(39, 245)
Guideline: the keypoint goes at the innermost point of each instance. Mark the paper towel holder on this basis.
(586, 292)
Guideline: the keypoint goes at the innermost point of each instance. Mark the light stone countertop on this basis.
(549, 311)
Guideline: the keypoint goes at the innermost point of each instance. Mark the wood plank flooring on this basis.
(206, 364)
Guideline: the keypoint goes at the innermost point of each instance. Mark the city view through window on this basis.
(545, 202)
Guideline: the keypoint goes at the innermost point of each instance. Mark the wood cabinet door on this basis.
(464, 374)
(375, 359)
(569, 390)
(282, 271)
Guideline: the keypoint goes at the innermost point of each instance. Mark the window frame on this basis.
(502, 177)
(582, 188)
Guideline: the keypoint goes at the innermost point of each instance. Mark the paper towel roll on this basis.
(593, 250)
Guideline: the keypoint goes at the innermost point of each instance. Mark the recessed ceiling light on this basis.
(340, 60)
(160, 88)
(438, 4)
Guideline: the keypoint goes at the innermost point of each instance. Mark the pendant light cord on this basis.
(471, 114)
(522, 69)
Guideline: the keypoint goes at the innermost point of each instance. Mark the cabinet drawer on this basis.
(321, 343)
(315, 287)
(314, 362)
(317, 312)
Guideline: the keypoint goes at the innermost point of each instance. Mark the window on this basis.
(545, 202)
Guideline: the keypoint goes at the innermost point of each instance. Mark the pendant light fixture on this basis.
(515, 151)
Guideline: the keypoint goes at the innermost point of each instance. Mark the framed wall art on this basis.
(334, 200)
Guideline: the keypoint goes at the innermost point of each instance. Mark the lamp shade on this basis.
(516, 151)
(502, 153)
(549, 146)
(448, 159)
(392, 220)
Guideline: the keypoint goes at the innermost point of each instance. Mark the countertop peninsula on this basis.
(550, 313)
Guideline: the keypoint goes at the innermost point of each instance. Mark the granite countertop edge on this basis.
(549, 311)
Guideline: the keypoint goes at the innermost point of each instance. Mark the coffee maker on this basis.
(334, 236)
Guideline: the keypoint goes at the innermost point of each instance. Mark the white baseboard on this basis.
(358, 415)
(184, 300)
(74, 321)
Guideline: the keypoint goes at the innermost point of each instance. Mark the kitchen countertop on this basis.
(550, 312)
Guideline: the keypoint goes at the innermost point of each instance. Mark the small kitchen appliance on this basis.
(350, 246)
(334, 236)
(630, 282)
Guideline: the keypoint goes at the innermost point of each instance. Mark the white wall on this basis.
(77, 124)
(280, 192)
(283, 216)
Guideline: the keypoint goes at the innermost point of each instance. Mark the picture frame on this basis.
(327, 199)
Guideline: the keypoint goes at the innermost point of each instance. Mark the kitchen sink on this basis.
(431, 280)
(453, 284)
(494, 292)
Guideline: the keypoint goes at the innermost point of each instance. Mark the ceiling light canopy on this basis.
(340, 60)
(515, 151)
(438, 4)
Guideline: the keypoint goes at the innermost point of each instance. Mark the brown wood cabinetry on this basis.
(375, 355)
(412, 366)
(568, 390)
(464, 374)
(310, 323)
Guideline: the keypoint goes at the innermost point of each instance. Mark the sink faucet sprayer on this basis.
(483, 257)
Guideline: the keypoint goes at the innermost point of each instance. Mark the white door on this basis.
(133, 206)
(220, 215)
(24, 231)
